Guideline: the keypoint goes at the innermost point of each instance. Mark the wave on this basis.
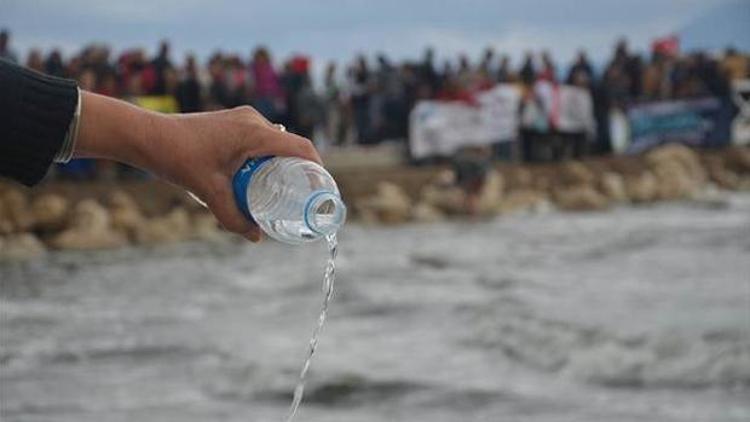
(663, 359)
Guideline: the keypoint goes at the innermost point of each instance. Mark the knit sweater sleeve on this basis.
(35, 113)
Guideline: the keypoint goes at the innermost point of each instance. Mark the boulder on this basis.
(169, 228)
(125, 213)
(721, 175)
(738, 159)
(523, 200)
(641, 188)
(19, 247)
(447, 199)
(519, 178)
(50, 212)
(206, 227)
(426, 213)
(389, 204)
(16, 215)
(674, 181)
(575, 173)
(612, 185)
(678, 171)
(491, 194)
(90, 229)
(580, 198)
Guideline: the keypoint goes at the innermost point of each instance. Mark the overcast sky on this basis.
(337, 29)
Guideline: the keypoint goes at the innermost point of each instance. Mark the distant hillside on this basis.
(725, 25)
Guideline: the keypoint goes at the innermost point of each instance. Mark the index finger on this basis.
(275, 142)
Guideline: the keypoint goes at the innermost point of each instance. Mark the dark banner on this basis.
(700, 122)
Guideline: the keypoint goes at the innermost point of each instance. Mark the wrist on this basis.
(115, 130)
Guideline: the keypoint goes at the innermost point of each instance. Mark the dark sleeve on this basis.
(35, 113)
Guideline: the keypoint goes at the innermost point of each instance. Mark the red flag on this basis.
(668, 46)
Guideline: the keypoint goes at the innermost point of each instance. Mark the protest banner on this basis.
(695, 122)
(439, 128)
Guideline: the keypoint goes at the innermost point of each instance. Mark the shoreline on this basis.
(62, 215)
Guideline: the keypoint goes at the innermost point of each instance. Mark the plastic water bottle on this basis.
(291, 199)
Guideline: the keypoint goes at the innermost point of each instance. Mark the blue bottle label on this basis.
(241, 183)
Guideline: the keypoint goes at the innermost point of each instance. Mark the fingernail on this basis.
(253, 235)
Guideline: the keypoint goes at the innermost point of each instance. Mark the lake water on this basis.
(637, 314)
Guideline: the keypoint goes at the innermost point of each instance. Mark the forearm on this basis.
(115, 130)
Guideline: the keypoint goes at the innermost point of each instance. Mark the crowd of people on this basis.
(368, 101)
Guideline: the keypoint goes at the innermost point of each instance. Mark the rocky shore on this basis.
(103, 215)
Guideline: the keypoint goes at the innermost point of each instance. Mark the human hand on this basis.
(199, 151)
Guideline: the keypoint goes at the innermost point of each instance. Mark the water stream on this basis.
(329, 277)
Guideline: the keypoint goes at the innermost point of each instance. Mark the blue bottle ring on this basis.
(241, 183)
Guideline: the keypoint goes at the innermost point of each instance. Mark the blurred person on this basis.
(428, 76)
(359, 76)
(712, 80)
(200, 152)
(5, 50)
(465, 75)
(471, 165)
(189, 90)
(87, 80)
(268, 95)
(307, 107)
(454, 90)
(504, 73)
(107, 85)
(583, 66)
(334, 125)
(549, 70)
(655, 77)
(527, 73)
(486, 65)
(131, 64)
(218, 92)
(54, 64)
(161, 65)
(736, 66)
(34, 60)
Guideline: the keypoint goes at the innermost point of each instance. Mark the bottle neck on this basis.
(324, 212)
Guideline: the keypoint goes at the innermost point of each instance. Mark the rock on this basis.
(50, 212)
(170, 228)
(205, 227)
(612, 185)
(523, 200)
(90, 229)
(19, 247)
(722, 176)
(580, 198)
(574, 173)
(16, 215)
(641, 188)
(674, 181)
(738, 159)
(447, 199)
(519, 178)
(491, 194)
(678, 171)
(744, 184)
(390, 205)
(426, 213)
(125, 213)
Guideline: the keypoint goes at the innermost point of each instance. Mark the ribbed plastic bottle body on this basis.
(294, 200)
